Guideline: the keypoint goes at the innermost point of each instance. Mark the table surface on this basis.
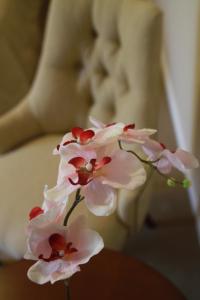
(109, 275)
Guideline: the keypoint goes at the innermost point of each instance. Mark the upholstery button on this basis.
(78, 65)
(94, 33)
(104, 72)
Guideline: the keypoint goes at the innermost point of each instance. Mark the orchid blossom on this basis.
(59, 250)
(78, 137)
(120, 131)
(99, 176)
(178, 159)
(52, 210)
(94, 164)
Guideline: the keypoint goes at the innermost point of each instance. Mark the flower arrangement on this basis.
(94, 164)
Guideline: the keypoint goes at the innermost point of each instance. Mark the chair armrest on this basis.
(17, 126)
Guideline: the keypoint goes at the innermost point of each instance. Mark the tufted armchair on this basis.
(99, 58)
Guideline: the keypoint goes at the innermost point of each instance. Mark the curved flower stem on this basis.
(151, 164)
(167, 177)
(66, 283)
(148, 162)
(77, 200)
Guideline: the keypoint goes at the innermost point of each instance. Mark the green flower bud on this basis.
(171, 182)
(186, 183)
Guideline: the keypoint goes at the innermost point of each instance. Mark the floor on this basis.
(172, 248)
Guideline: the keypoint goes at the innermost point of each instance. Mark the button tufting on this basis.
(110, 107)
(78, 65)
(94, 33)
(103, 71)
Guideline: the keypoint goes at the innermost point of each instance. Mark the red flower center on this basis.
(86, 171)
(80, 136)
(60, 248)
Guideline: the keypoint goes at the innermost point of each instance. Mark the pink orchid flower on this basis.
(179, 159)
(120, 131)
(40, 216)
(78, 138)
(60, 250)
(52, 210)
(99, 176)
(100, 135)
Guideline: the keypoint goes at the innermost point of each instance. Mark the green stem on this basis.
(167, 177)
(148, 162)
(66, 283)
(151, 164)
(77, 200)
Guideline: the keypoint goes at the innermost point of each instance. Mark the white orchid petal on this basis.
(36, 273)
(124, 171)
(96, 123)
(99, 198)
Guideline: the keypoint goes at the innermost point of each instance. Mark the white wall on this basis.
(181, 20)
(180, 64)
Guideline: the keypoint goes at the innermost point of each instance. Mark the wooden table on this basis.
(109, 275)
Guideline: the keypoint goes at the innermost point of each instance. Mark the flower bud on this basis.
(186, 183)
(171, 182)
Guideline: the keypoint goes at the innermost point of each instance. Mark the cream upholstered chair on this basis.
(99, 58)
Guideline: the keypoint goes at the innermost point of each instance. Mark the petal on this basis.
(56, 205)
(77, 162)
(77, 157)
(28, 255)
(62, 191)
(152, 149)
(65, 170)
(53, 211)
(96, 123)
(35, 211)
(42, 272)
(109, 134)
(87, 241)
(37, 274)
(173, 160)
(137, 135)
(76, 132)
(104, 161)
(65, 271)
(124, 171)
(99, 198)
(129, 126)
(86, 135)
(38, 239)
(59, 148)
(189, 160)
(58, 192)
(164, 165)
(56, 150)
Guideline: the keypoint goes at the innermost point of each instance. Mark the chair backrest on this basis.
(21, 31)
(99, 58)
